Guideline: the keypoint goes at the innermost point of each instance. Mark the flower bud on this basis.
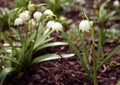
(48, 12)
(24, 15)
(18, 21)
(84, 25)
(116, 3)
(37, 15)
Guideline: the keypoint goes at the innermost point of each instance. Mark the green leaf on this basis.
(118, 83)
(41, 38)
(11, 59)
(84, 50)
(50, 57)
(51, 45)
(78, 54)
(109, 56)
(99, 46)
(15, 32)
(110, 15)
(4, 73)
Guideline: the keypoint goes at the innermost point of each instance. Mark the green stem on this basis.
(94, 59)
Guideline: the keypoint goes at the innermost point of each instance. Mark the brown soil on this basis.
(67, 71)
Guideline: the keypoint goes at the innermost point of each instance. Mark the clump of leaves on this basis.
(17, 56)
(21, 3)
(112, 35)
(74, 35)
(57, 6)
(97, 62)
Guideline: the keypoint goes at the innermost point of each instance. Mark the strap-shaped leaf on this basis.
(4, 73)
(51, 57)
(84, 50)
(78, 54)
(51, 45)
(11, 59)
(109, 56)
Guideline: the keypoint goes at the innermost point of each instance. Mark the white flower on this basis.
(24, 15)
(18, 21)
(54, 26)
(57, 26)
(50, 24)
(116, 3)
(37, 15)
(6, 44)
(48, 12)
(84, 25)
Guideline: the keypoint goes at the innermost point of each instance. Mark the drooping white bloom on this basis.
(24, 15)
(57, 26)
(116, 3)
(50, 24)
(37, 15)
(6, 44)
(54, 26)
(18, 21)
(84, 25)
(48, 12)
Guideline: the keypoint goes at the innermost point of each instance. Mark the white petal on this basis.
(24, 15)
(84, 25)
(37, 15)
(116, 3)
(48, 12)
(50, 24)
(18, 21)
(57, 26)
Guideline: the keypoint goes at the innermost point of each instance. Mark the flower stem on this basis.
(94, 59)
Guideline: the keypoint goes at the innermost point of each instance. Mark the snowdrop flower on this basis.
(57, 26)
(84, 25)
(116, 3)
(37, 15)
(48, 12)
(18, 21)
(6, 44)
(50, 24)
(24, 15)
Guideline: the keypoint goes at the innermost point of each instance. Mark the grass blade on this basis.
(4, 73)
(11, 59)
(50, 57)
(51, 45)
(84, 50)
(109, 56)
(78, 55)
